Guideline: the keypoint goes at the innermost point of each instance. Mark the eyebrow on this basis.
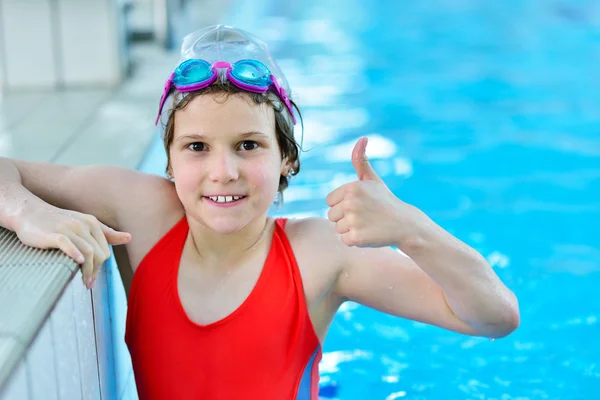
(198, 136)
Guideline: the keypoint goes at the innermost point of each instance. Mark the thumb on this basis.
(361, 164)
(115, 237)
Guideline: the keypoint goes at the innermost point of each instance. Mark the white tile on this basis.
(86, 343)
(51, 125)
(41, 370)
(28, 43)
(80, 127)
(65, 343)
(16, 388)
(118, 134)
(122, 127)
(90, 42)
(14, 107)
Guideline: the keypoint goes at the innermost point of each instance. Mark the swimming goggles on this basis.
(250, 75)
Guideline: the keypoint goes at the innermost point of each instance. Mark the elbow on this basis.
(514, 315)
(509, 321)
(514, 319)
(512, 322)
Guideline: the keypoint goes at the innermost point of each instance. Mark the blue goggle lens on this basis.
(252, 73)
(191, 72)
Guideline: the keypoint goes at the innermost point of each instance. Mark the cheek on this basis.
(186, 187)
(264, 174)
(263, 178)
(186, 178)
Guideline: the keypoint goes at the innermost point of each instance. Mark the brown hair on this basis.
(284, 128)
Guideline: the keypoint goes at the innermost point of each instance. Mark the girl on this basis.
(226, 302)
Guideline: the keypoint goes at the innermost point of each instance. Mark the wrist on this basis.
(416, 233)
(17, 210)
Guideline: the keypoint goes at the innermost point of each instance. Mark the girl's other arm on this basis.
(444, 282)
(93, 189)
(70, 208)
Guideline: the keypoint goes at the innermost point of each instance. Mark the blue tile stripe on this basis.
(306, 383)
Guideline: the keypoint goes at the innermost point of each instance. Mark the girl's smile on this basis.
(225, 201)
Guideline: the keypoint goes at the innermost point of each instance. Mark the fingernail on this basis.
(93, 284)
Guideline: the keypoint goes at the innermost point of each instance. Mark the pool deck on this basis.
(87, 125)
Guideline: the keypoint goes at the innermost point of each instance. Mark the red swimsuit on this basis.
(266, 349)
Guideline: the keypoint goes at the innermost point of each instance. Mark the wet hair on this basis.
(284, 128)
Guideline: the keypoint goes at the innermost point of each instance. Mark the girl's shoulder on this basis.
(320, 258)
(310, 230)
(316, 245)
(149, 214)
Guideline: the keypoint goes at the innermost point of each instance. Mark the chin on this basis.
(224, 225)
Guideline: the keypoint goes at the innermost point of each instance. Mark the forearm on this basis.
(473, 291)
(14, 197)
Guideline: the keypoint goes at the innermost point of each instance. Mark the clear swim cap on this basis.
(226, 43)
(246, 59)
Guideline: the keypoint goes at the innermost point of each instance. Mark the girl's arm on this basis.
(443, 282)
(71, 208)
(94, 189)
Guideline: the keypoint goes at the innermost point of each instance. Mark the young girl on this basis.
(225, 301)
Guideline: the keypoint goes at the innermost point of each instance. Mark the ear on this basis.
(286, 167)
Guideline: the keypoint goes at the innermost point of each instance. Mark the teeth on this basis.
(225, 199)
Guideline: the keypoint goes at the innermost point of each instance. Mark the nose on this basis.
(223, 168)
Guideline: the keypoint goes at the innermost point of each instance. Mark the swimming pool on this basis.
(484, 115)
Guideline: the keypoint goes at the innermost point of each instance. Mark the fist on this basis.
(363, 210)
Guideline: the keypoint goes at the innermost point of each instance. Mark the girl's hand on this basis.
(366, 212)
(80, 236)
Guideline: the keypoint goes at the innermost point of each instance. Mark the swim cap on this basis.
(207, 53)
(226, 43)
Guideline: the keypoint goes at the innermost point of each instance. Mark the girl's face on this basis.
(225, 160)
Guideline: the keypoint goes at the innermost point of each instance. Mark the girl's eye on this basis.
(248, 145)
(197, 146)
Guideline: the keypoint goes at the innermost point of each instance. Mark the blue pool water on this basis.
(484, 115)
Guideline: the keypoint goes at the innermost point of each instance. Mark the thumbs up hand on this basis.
(365, 212)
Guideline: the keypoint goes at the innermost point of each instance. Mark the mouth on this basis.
(225, 199)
